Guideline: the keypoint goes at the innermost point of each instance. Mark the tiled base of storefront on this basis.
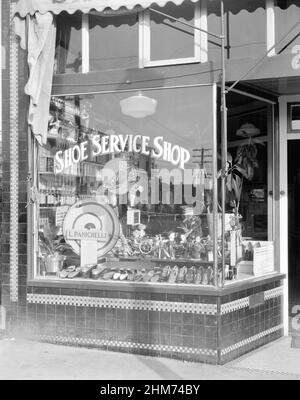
(202, 328)
(296, 340)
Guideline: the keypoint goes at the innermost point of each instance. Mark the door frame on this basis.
(283, 239)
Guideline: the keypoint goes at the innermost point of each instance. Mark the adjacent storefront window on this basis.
(249, 188)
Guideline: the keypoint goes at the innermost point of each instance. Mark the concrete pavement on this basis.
(25, 360)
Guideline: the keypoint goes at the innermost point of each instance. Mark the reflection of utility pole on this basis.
(224, 135)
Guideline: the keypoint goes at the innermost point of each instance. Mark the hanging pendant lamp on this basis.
(138, 106)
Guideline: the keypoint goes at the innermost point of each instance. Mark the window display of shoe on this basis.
(190, 275)
(181, 274)
(199, 276)
(173, 274)
(149, 275)
(165, 273)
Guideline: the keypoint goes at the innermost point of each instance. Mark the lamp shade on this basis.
(138, 106)
(248, 130)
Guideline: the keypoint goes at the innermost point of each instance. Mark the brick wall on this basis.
(13, 310)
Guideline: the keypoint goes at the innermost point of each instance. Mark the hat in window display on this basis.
(248, 130)
(138, 106)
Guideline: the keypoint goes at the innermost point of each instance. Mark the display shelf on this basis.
(126, 286)
(167, 260)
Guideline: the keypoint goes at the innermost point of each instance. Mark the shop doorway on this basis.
(294, 224)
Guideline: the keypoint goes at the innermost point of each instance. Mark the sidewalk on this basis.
(31, 360)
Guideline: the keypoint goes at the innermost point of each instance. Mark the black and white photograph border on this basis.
(149, 184)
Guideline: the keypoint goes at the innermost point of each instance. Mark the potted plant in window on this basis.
(239, 169)
(52, 248)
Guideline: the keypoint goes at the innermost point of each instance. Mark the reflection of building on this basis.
(179, 259)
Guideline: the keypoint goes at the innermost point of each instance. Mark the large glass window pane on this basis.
(287, 14)
(125, 187)
(245, 29)
(113, 41)
(250, 246)
(68, 57)
(170, 39)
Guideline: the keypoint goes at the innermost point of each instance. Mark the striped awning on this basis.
(25, 7)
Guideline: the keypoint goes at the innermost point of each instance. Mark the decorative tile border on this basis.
(132, 304)
(14, 162)
(129, 304)
(235, 305)
(250, 340)
(128, 345)
(273, 293)
(245, 302)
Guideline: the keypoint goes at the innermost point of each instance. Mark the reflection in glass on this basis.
(68, 57)
(113, 41)
(170, 39)
(154, 173)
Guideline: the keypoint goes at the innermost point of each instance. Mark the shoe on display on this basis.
(131, 274)
(123, 275)
(173, 274)
(138, 276)
(63, 274)
(156, 277)
(116, 276)
(96, 273)
(199, 276)
(165, 273)
(210, 276)
(74, 274)
(108, 275)
(205, 277)
(149, 275)
(181, 274)
(190, 275)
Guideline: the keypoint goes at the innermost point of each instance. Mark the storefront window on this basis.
(250, 244)
(287, 14)
(245, 28)
(125, 186)
(68, 57)
(167, 40)
(113, 41)
(126, 39)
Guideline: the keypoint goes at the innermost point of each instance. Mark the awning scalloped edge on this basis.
(25, 7)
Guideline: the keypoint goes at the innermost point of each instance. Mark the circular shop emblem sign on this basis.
(88, 220)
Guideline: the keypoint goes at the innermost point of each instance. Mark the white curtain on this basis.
(38, 35)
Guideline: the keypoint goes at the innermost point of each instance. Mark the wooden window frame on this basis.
(144, 51)
(200, 39)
